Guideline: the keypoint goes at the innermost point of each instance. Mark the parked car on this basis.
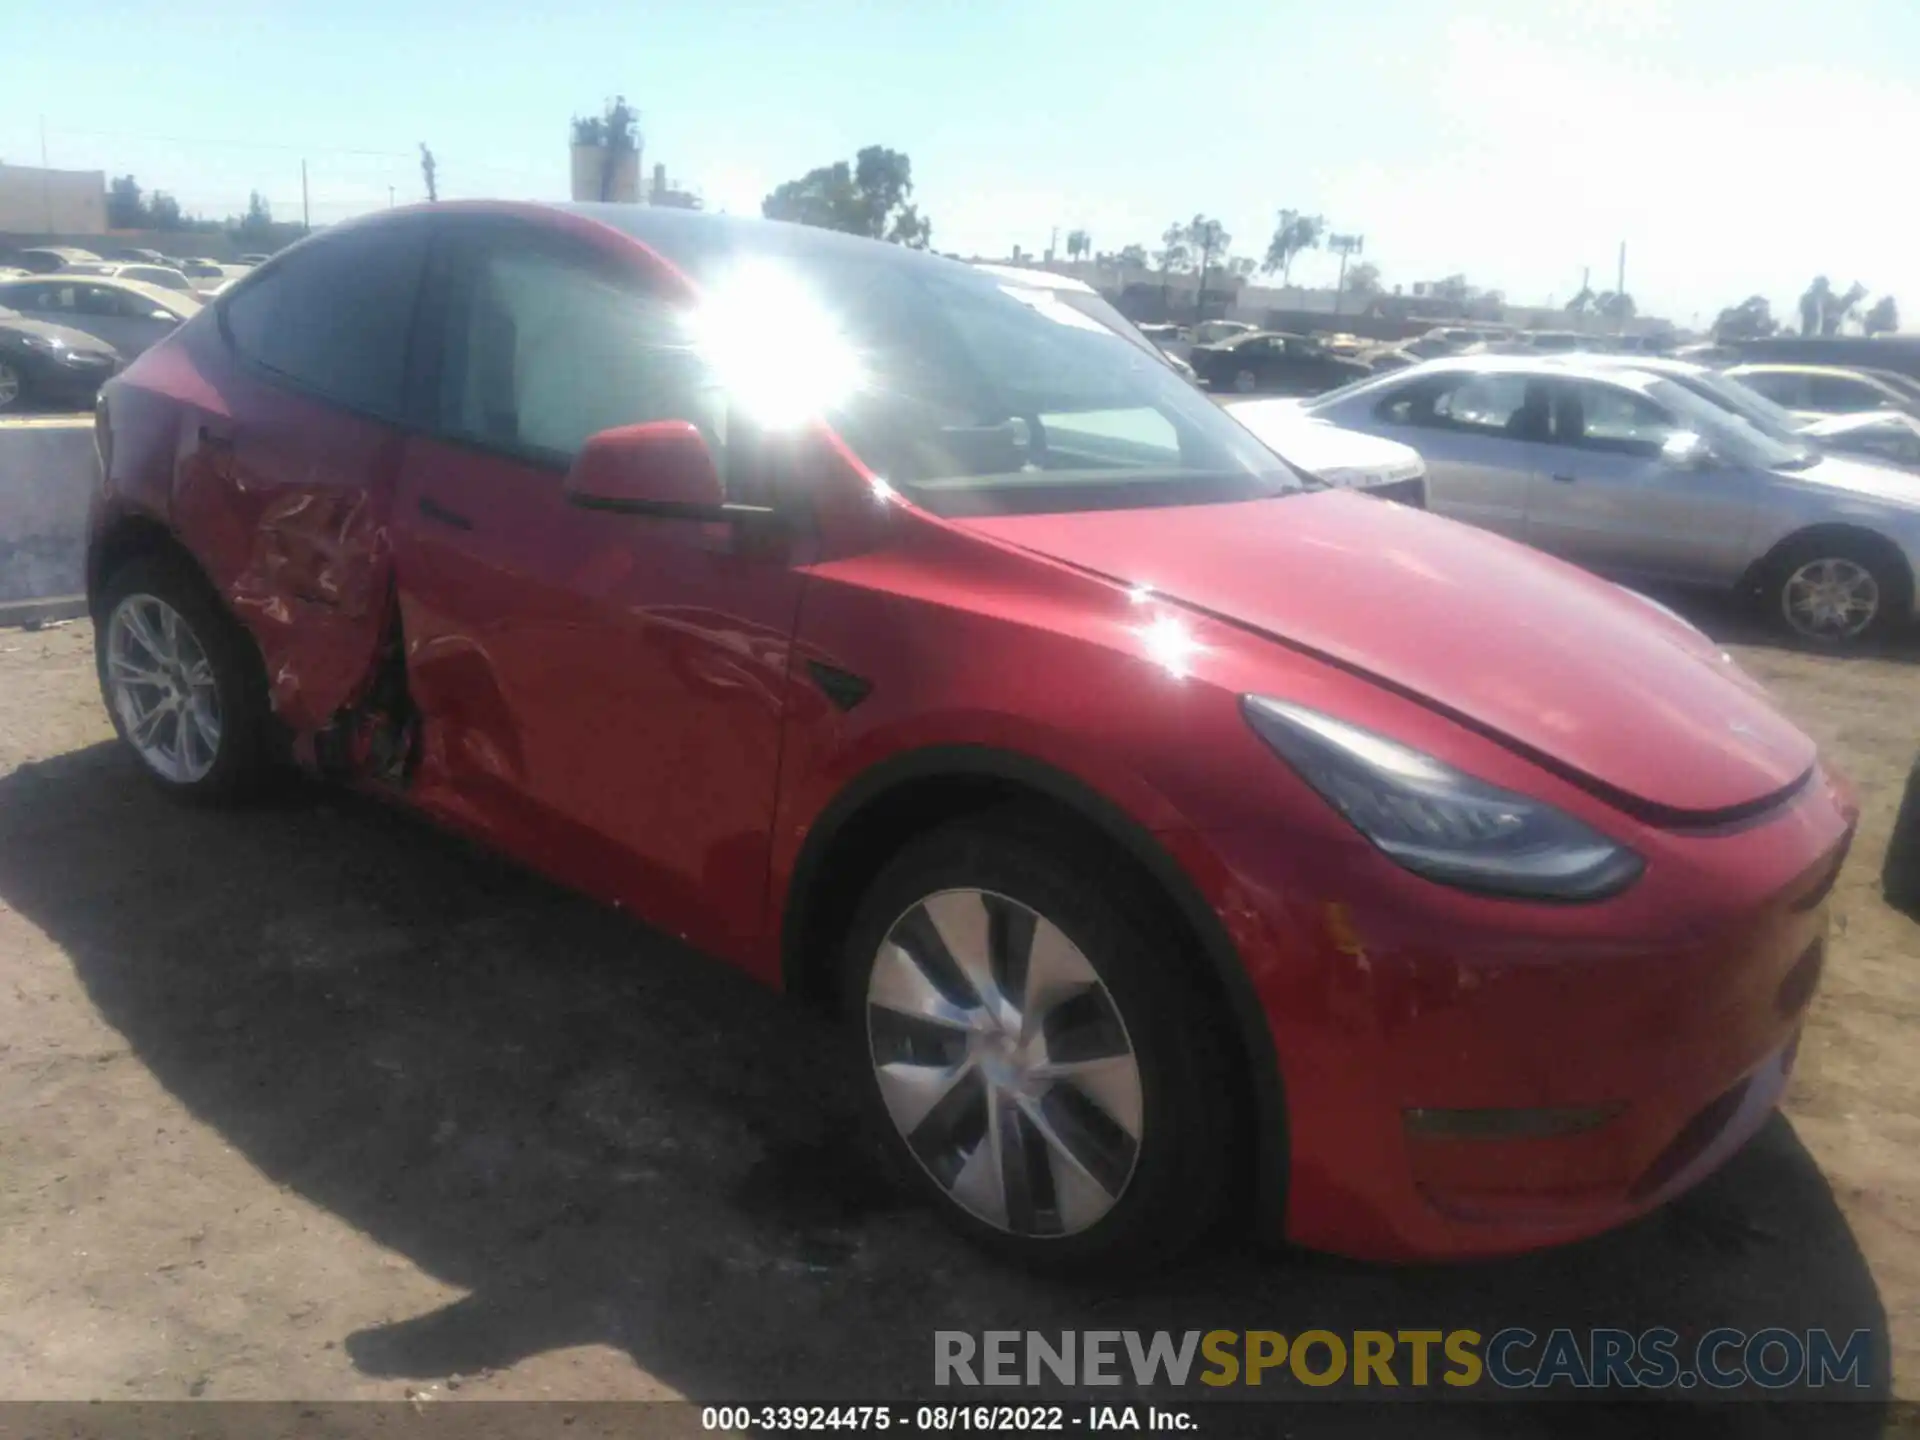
(1214, 332)
(1273, 363)
(1542, 342)
(255, 259)
(127, 314)
(1897, 353)
(135, 255)
(1346, 459)
(48, 366)
(1815, 391)
(1084, 300)
(1152, 820)
(45, 259)
(1890, 437)
(165, 276)
(1634, 475)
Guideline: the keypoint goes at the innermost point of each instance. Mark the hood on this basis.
(72, 339)
(1340, 457)
(1589, 680)
(1887, 484)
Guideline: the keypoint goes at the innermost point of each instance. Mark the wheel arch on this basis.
(128, 536)
(1848, 533)
(909, 794)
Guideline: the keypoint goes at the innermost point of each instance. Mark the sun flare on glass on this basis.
(776, 349)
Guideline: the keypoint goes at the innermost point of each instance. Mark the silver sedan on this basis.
(1638, 477)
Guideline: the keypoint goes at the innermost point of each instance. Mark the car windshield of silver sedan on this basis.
(1733, 438)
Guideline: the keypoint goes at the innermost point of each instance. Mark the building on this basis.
(664, 192)
(52, 202)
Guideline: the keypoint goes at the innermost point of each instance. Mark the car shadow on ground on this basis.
(603, 1138)
(1733, 620)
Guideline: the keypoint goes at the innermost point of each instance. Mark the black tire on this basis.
(249, 752)
(1888, 573)
(1245, 382)
(1181, 1180)
(13, 388)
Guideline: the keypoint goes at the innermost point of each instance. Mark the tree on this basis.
(1133, 255)
(163, 212)
(1883, 318)
(1242, 266)
(1294, 233)
(1582, 301)
(1751, 319)
(1209, 239)
(1841, 307)
(256, 226)
(1364, 279)
(125, 211)
(428, 170)
(1813, 304)
(1079, 243)
(867, 198)
(1171, 256)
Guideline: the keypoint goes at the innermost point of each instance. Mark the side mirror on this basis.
(662, 468)
(1688, 451)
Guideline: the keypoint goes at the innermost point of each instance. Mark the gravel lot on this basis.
(310, 1101)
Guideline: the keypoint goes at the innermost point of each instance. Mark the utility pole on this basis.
(1344, 246)
(306, 215)
(46, 176)
(1620, 292)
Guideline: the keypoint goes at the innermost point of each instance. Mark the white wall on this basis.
(52, 202)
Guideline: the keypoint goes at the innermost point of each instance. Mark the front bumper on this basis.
(1465, 1076)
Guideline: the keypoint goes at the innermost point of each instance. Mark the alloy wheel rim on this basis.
(1004, 1063)
(1244, 381)
(162, 688)
(9, 385)
(1831, 599)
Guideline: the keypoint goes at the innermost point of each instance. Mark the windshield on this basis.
(1733, 438)
(976, 396)
(1771, 420)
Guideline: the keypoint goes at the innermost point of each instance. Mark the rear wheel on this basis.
(13, 388)
(1245, 382)
(1041, 1064)
(181, 682)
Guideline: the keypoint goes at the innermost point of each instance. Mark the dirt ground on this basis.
(311, 1101)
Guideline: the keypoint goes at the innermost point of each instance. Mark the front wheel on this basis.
(181, 682)
(1835, 592)
(1245, 382)
(1041, 1062)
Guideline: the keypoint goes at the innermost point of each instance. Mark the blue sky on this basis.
(1737, 146)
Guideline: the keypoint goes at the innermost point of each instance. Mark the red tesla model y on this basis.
(1168, 830)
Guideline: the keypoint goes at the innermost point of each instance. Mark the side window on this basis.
(1841, 395)
(1606, 417)
(137, 307)
(333, 317)
(542, 348)
(1783, 387)
(1506, 405)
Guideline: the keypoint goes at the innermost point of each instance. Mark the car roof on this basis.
(1565, 363)
(1651, 364)
(1788, 368)
(1036, 279)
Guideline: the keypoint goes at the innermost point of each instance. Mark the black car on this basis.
(49, 365)
(1269, 362)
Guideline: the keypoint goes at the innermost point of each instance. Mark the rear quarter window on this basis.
(333, 316)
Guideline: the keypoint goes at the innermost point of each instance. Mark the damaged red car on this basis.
(1171, 833)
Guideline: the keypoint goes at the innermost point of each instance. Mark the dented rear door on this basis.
(290, 454)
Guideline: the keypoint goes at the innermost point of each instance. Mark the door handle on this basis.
(434, 510)
(1564, 479)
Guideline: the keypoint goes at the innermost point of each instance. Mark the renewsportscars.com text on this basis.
(1514, 1358)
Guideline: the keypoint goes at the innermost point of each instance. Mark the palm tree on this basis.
(1078, 244)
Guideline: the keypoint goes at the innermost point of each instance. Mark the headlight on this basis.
(1438, 822)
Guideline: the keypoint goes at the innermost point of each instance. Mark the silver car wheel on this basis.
(1830, 599)
(1004, 1063)
(9, 385)
(162, 688)
(1245, 381)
